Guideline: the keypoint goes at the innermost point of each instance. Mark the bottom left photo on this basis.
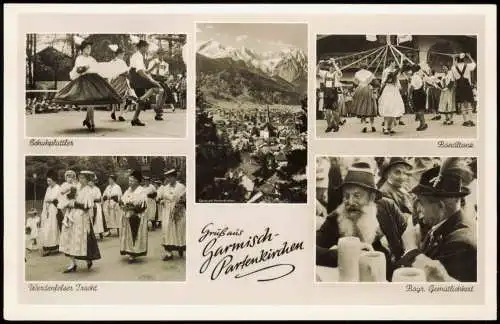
(105, 218)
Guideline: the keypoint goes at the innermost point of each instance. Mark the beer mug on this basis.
(372, 267)
(408, 275)
(348, 252)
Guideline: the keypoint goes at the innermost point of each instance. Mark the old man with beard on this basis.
(364, 213)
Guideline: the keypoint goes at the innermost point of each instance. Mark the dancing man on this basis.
(464, 95)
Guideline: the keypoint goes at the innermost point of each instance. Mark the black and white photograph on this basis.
(251, 112)
(396, 219)
(396, 86)
(105, 218)
(106, 85)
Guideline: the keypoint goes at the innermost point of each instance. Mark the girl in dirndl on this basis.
(447, 97)
(87, 87)
(390, 102)
(111, 206)
(173, 199)
(134, 228)
(418, 96)
(49, 231)
(363, 105)
(78, 241)
(118, 78)
(98, 221)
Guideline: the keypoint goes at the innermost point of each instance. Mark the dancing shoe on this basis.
(466, 123)
(71, 268)
(168, 257)
(392, 132)
(113, 116)
(328, 129)
(471, 123)
(336, 129)
(89, 264)
(364, 130)
(137, 122)
(87, 124)
(92, 128)
(374, 129)
(121, 119)
(385, 131)
(401, 123)
(157, 117)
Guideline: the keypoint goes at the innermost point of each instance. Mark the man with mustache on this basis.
(363, 213)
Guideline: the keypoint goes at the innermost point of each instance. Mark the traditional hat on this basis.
(84, 44)
(361, 175)
(136, 174)
(88, 174)
(395, 161)
(69, 172)
(171, 172)
(142, 43)
(436, 184)
(51, 174)
(458, 166)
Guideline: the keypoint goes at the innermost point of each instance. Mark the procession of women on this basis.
(388, 84)
(76, 218)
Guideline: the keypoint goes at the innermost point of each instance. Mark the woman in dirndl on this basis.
(49, 231)
(78, 241)
(87, 87)
(118, 79)
(363, 104)
(173, 199)
(150, 192)
(98, 221)
(134, 227)
(418, 96)
(447, 97)
(390, 102)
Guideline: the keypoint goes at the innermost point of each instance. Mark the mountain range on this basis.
(283, 72)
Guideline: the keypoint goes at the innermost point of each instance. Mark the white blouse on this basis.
(84, 61)
(135, 197)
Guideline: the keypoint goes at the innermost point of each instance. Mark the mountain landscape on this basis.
(242, 74)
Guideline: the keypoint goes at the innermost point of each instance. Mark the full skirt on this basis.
(446, 104)
(98, 219)
(112, 214)
(134, 235)
(363, 103)
(174, 230)
(49, 231)
(390, 102)
(122, 86)
(77, 238)
(151, 209)
(87, 89)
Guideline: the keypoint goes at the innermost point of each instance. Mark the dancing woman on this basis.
(173, 199)
(363, 105)
(417, 95)
(118, 77)
(78, 241)
(447, 97)
(134, 229)
(329, 81)
(87, 87)
(390, 102)
(110, 206)
(49, 230)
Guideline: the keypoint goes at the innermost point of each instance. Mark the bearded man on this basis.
(363, 213)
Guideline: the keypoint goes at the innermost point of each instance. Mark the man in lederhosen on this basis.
(464, 96)
(142, 82)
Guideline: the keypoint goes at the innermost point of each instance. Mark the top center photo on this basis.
(251, 112)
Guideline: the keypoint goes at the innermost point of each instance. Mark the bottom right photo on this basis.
(396, 219)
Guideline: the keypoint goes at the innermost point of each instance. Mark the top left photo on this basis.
(106, 85)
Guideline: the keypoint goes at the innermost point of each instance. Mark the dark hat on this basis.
(85, 44)
(142, 43)
(361, 175)
(51, 174)
(136, 174)
(393, 162)
(436, 184)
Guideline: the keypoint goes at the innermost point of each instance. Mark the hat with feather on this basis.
(446, 181)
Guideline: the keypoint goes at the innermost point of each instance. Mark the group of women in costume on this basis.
(75, 213)
(115, 83)
(372, 98)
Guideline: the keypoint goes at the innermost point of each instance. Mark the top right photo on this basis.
(396, 86)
